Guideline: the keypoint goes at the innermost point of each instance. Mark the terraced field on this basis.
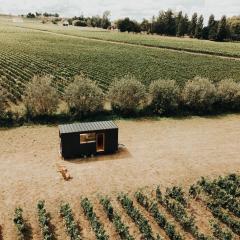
(25, 52)
(210, 210)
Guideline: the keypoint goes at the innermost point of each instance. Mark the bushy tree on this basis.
(164, 95)
(105, 23)
(3, 101)
(79, 23)
(84, 96)
(145, 25)
(40, 97)
(127, 94)
(228, 94)
(199, 94)
(127, 25)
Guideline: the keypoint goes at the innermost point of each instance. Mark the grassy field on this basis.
(25, 52)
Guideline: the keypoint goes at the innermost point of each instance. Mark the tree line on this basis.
(167, 23)
(178, 24)
(128, 96)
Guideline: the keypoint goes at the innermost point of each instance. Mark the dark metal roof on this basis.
(86, 127)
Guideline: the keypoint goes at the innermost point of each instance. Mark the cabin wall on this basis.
(71, 147)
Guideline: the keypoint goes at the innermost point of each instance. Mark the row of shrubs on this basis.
(129, 96)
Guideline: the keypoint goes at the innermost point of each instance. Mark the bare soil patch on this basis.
(166, 152)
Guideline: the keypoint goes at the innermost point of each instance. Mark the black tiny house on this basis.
(88, 138)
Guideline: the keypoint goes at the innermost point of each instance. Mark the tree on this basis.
(40, 97)
(127, 95)
(212, 28)
(192, 25)
(158, 25)
(83, 96)
(199, 95)
(199, 27)
(180, 24)
(127, 25)
(170, 25)
(145, 26)
(222, 30)
(164, 95)
(228, 94)
(105, 20)
(234, 27)
(185, 24)
(30, 15)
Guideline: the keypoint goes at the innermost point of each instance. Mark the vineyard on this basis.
(25, 52)
(191, 45)
(209, 210)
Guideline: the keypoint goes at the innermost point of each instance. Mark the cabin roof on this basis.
(86, 127)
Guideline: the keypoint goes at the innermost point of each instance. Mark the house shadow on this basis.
(122, 153)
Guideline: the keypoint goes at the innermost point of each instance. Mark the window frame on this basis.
(88, 138)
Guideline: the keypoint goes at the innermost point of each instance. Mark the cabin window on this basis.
(87, 138)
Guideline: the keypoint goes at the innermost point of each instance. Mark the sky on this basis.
(136, 9)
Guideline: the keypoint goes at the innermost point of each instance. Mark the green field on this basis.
(187, 44)
(25, 52)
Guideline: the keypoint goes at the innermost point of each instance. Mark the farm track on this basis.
(173, 49)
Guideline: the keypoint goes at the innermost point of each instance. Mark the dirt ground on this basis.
(165, 152)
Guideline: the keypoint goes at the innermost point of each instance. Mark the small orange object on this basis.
(63, 170)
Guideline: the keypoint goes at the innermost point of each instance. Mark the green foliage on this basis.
(221, 197)
(20, 223)
(127, 25)
(44, 221)
(127, 95)
(114, 217)
(142, 223)
(177, 193)
(222, 31)
(97, 226)
(176, 203)
(83, 96)
(71, 225)
(199, 27)
(160, 219)
(194, 190)
(3, 100)
(221, 233)
(164, 96)
(199, 94)
(193, 25)
(40, 97)
(228, 94)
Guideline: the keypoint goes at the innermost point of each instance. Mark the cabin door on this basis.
(100, 142)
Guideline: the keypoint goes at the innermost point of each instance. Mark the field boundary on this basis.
(173, 49)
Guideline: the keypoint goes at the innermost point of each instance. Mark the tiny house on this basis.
(88, 138)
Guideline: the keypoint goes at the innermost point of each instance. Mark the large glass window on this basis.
(87, 138)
